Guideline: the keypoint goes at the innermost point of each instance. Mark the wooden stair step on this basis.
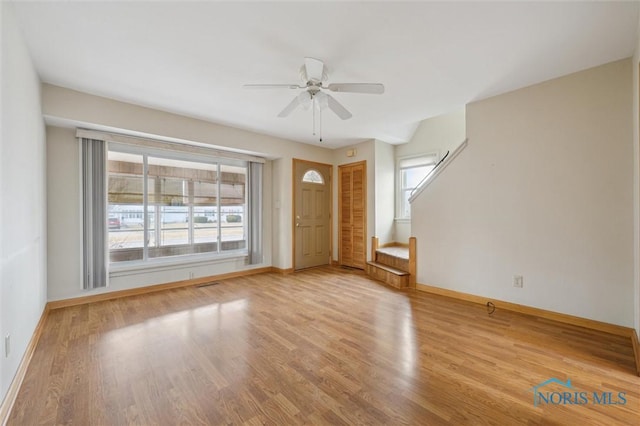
(388, 275)
(392, 261)
(399, 252)
(388, 268)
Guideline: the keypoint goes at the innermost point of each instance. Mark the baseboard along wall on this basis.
(14, 387)
(636, 349)
(615, 329)
(529, 310)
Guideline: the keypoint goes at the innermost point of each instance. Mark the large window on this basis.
(163, 205)
(411, 172)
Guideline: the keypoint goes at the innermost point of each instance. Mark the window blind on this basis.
(94, 224)
(255, 213)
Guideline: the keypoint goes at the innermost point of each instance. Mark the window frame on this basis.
(167, 262)
(430, 158)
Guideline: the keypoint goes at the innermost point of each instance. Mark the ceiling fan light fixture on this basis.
(304, 98)
(322, 101)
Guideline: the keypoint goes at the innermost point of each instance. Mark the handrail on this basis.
(413, 191)
(442, 164)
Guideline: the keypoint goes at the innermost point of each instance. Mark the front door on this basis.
(312, 214)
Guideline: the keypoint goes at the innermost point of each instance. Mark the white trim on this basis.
(166, 263)
(439, 170)
(207, 157)
(145, 210)
(81, 216)
(105, 184)
(190, 147)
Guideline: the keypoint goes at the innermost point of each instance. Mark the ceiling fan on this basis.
(313, 74)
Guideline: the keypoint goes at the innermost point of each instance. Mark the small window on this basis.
(312, 176)
(411, 172)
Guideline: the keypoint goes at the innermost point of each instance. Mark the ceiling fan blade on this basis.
(289, 108)
(272, 86)
(336, 107)
(314, 68)
(373, 88)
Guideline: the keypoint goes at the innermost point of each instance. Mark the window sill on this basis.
(180, 262)
(402, 220)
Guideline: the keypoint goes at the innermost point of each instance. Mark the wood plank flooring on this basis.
(322, 346)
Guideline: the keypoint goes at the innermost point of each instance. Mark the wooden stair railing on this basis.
(391, 268)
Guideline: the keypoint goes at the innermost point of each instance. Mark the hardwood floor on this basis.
(322, 346)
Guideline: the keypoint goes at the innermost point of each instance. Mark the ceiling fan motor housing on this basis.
(306, 80)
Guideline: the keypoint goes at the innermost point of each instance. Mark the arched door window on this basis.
(312, 176)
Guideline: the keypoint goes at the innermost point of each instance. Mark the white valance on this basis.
(180, 146)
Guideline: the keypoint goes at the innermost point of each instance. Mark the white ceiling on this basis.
(192, 58)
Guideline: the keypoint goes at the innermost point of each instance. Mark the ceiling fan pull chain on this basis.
(313, 107)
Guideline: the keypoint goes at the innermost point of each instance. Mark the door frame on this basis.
(364, 213)
(294, 162)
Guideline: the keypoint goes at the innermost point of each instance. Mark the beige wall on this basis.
(64, 214)
(384, 207)
(543, 190)
(280, 218)
(67, 109)
(436, 134)
(23, 280)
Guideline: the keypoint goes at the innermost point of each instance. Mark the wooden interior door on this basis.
(352, 186)
(312, 214)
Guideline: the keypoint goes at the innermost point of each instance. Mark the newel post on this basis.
(413, 267)
(374, 246)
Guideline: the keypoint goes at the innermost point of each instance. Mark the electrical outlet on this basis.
(517, 281)
(7, 345)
